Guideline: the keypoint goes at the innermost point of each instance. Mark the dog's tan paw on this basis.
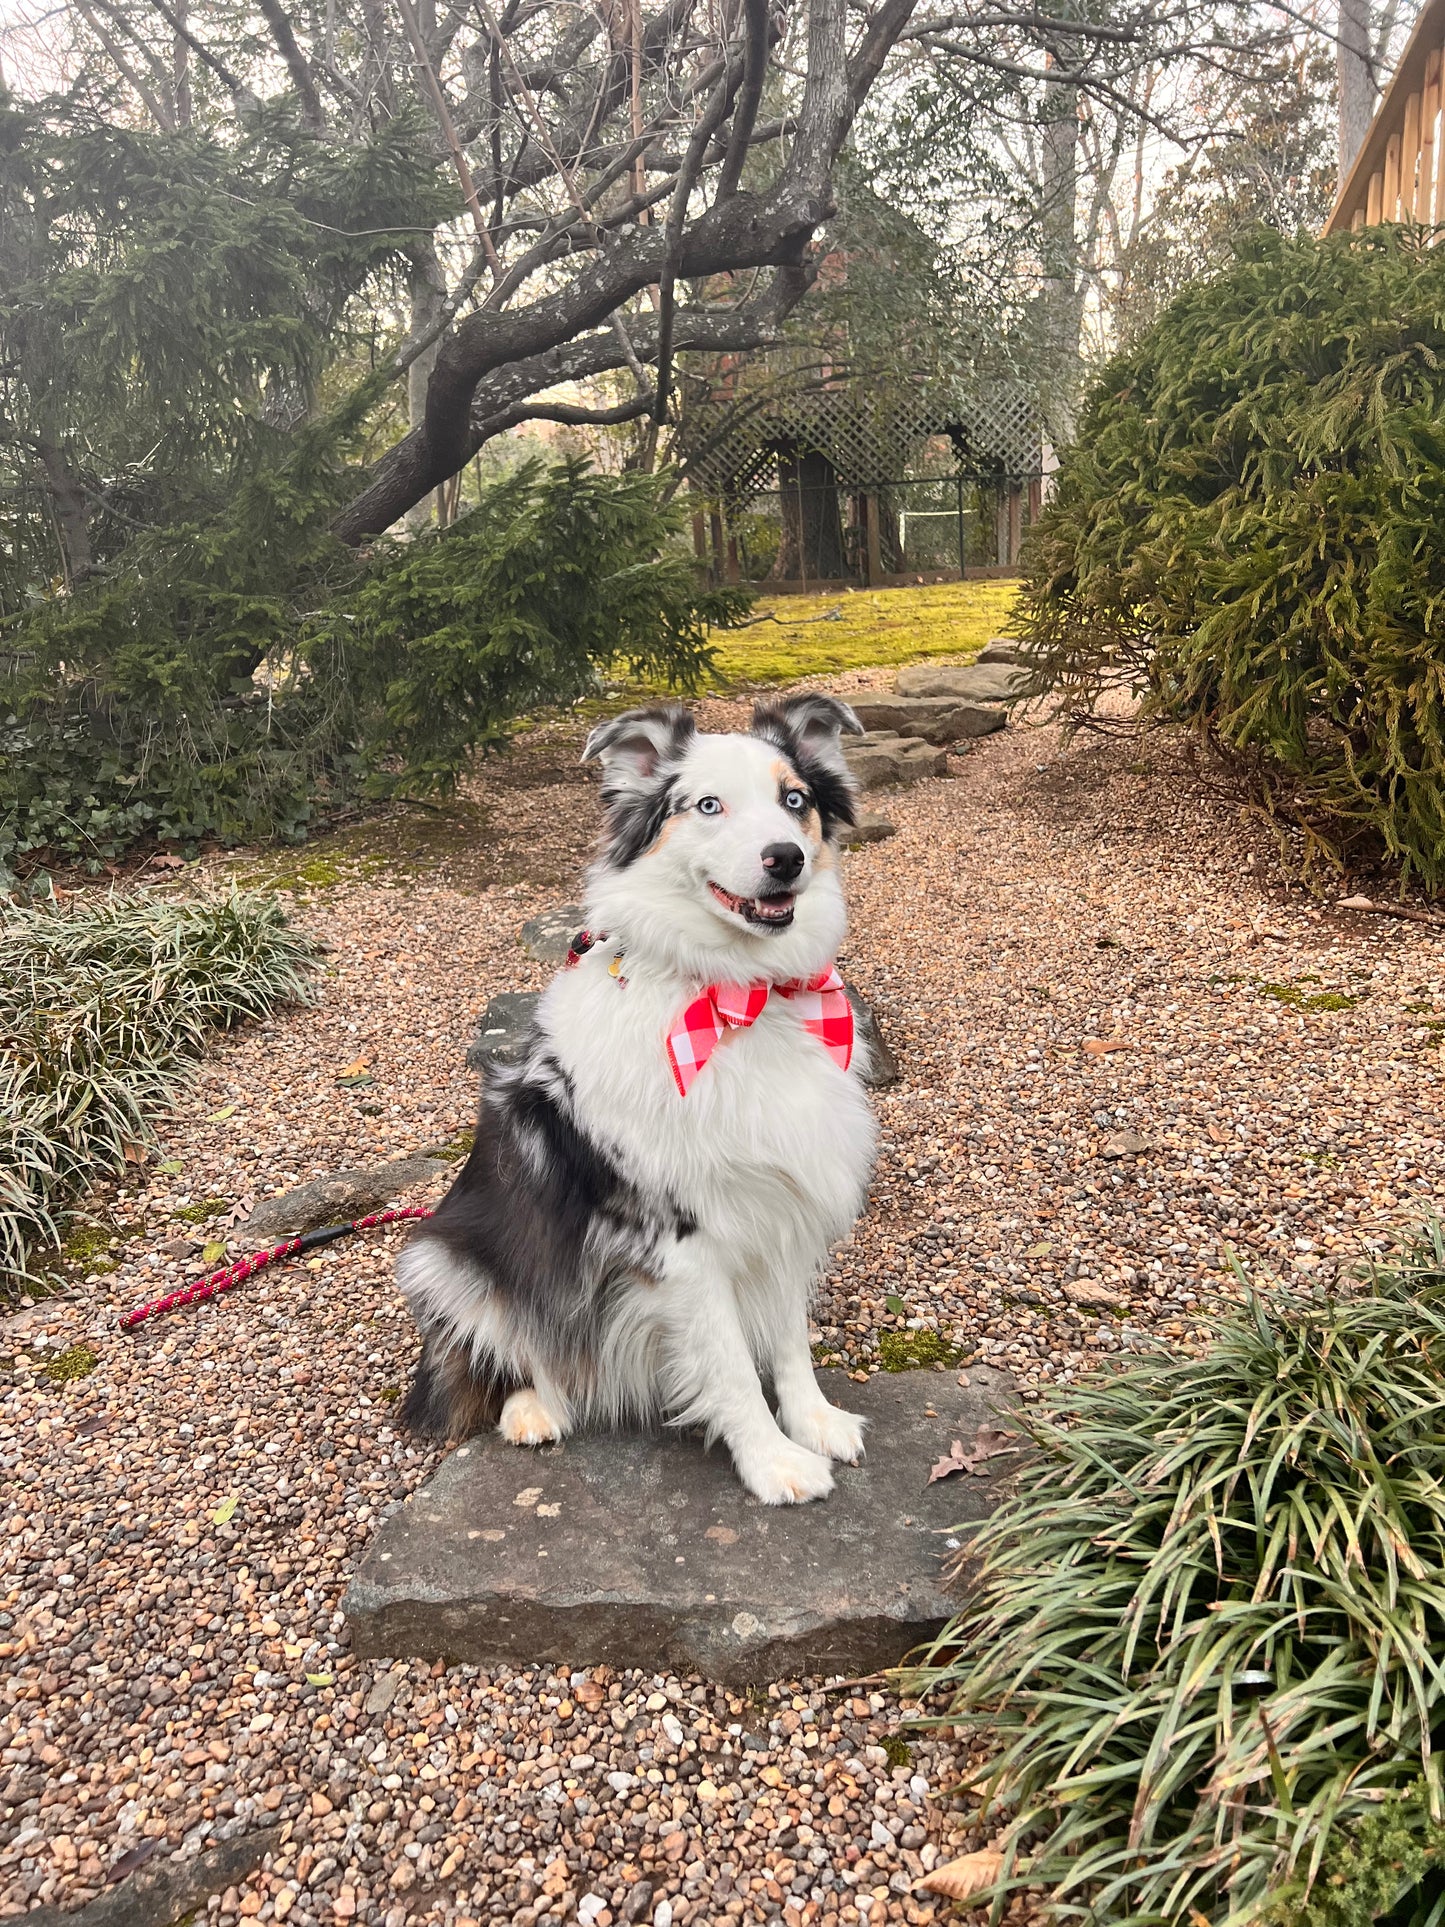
(787, 1475)
(826, 1430)
(525, 1420)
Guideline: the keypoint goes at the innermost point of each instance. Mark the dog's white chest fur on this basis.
(773, 1131)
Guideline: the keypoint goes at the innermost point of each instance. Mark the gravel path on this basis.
(181, 1509)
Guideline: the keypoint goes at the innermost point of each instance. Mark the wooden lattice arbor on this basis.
(840, 470)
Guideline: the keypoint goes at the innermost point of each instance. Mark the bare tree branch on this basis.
(284, 35)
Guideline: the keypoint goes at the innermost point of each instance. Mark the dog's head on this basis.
(728, 841)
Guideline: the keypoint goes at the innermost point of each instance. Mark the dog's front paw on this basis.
(786, 1474)
(525, 1420)
(824, 1429)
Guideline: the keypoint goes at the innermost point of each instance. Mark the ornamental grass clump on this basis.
(1208, 1635)
(1247, 535)
(101, 1008)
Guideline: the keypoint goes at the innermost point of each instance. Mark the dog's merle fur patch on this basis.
(639, 793)
(542, 1212)
(805, 729)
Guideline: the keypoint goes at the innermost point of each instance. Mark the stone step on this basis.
(965, 682)
(882, 756)
(869, 829)
(932, 719)
(1002, 649)
(645, 1551)
(548, 937)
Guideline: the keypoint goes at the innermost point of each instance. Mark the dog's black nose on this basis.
(782, 861)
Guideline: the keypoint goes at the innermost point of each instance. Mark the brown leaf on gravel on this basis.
(1099, 1046)
(1218, 1136)
(961, 1879)
(358, 1067)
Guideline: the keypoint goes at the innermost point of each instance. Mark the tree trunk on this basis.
(812, 545)
(1356, 80)
(428, 290)
(181, 70)
(1063, 307)
(67, 499)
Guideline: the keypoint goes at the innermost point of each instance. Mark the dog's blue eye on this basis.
(709, 806)
(795, 800)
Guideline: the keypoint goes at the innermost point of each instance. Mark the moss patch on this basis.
(76, 1361)
(914, 1351)
(202, 1209)
(454, 1150)
(874, 627)
(88, 1244)
(897, 1750)
(1298, 998)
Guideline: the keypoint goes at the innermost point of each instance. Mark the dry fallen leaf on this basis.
(1219, 1137)
(167, 863)
(356, 1068)
(961, 1879)
(1098, 1046)
(988, 1443)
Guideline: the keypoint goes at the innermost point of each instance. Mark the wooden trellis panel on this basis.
(870, 440)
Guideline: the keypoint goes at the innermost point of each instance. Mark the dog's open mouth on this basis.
(766, 913)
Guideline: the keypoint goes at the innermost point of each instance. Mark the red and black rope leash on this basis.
(229, 1276)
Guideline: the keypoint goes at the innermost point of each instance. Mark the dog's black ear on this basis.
(631, 747)
(816, 724)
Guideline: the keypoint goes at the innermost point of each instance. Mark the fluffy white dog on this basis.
(653, 1191)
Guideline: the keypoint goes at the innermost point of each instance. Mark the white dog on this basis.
(654, 1189)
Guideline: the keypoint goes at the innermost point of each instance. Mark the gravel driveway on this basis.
(1126, 1047)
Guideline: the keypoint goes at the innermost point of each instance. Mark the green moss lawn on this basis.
(864, 629)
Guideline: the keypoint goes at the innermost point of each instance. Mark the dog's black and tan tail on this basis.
(447, 1398)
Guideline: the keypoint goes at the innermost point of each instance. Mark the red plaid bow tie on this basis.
(822, 1003)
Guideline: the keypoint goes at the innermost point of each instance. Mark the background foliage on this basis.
(238, 676)
(185, 649)
(1248, 534)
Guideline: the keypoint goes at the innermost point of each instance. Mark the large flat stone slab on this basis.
(647, 1552)
(993, 682)
(933, 719)
(883, 756)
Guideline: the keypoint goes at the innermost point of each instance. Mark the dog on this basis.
(654, 1189)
